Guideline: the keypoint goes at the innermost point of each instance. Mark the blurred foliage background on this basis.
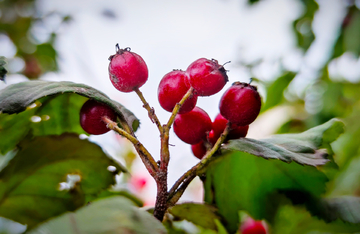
(327, 96)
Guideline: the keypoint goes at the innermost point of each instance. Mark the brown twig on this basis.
(144, 154)
(181, 184)
(150, 110)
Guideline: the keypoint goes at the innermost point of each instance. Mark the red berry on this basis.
(240, 104)
(206, 76)
(199, 149)
(172, 88)
(236, 131)
(193, 126)
(90, 117)
(251, 226)
(213, 137)
(127, 70)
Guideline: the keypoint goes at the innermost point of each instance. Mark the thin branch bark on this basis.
(144, 154)
(151, 111)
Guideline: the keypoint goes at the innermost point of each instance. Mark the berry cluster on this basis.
(239, 105)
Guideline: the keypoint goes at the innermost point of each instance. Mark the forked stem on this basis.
(181, 184)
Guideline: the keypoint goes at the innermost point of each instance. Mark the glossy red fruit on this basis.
(90, 117)
(199, 149)
(127, 70)
(173, 86)
(251, 226)
(240, 104)
(206, 76)
(236, 131)
(192, 127)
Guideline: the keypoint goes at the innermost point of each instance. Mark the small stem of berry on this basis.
(181, 184)
(150, 110)
(144, 154)
(178, 105)
(117, 47)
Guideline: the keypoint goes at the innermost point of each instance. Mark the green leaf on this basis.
(345, 208)
(56, 115)
(30, 183)
(352, 34)
(111, 215)
(254, 184)
(349, 36)
(303, 148)
(17, 97)
(200, 214)
(302, 26)
(293, 220)
(275, 91)
(13, 128)
(240, 181)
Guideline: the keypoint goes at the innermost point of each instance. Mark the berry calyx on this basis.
(240, 104)
(127, 70)
(207, 77)
(173, 86)
(91, 114)
(192, 127)
(235, 132)
(251, 226)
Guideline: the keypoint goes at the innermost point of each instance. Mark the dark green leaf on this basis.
(304, 148)
(293, 220)
(200, 214)
(30, 183)
(302, 26)
(345, 208)
(111, 215)
(240, 181)
(17, 97)
(276, 89)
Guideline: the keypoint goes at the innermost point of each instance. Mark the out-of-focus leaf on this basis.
(293, 220)
(304, 148)
(275, 91)
(352, 34)
(30, 184)
(3, 71)
(110, 193)
(252, 184)
(15, 98)
(200, 214)
(111, 215)
(347, 181)
(349, 36)
(302, 26)
(345, 208)
(251, 2)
